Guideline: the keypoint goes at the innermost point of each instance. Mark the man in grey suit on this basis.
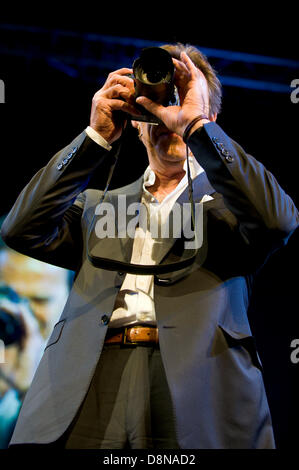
(157, 357)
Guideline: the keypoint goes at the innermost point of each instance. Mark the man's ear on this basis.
(134, 124)
(213, 117)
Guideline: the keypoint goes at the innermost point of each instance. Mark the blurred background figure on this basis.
(23, 347)
(45, 286)
(32, 297)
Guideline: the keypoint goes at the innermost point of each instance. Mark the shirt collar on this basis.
(195, 169)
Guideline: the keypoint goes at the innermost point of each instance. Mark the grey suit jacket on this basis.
(211, 364)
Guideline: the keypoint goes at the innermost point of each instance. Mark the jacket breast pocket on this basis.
(239, 340)
(56, 333)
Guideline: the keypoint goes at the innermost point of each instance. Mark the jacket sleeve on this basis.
(45, 221)
(266, 215)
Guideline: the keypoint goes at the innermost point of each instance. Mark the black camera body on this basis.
(11, 326)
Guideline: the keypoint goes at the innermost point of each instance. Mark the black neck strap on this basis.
(163, 267)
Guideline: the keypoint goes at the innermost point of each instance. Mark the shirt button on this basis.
(229, 158)
(105, 320)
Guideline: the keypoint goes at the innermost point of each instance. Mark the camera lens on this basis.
(11, 328)
(153, 66)
(154, 76)
(154, 73)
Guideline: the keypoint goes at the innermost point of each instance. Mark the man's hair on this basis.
(201, 61)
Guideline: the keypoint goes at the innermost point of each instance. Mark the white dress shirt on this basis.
(134, 303)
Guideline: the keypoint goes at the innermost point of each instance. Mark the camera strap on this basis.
(186, 259)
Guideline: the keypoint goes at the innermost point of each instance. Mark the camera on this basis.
(153, 74)
(11, 326)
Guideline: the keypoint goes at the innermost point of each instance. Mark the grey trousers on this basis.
(128, 404)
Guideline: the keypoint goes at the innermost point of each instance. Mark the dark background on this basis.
(46, 108)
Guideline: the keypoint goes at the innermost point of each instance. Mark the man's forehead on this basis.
(19, 265)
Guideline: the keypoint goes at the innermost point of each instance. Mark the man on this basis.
(36, 293)
(101, 385)
(45, 286)
(23, 349)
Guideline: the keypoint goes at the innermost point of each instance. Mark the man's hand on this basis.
(194, 97)
(117, 94)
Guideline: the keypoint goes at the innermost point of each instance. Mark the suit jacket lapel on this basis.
(174, 250)
(201, 187)
(117, 247)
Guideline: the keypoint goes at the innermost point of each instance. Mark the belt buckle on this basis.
(129, 343)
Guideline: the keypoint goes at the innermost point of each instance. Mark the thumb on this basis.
(151, 106)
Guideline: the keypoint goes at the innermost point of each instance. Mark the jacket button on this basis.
(105, 320)
(229, 158)
(59, 166)
(120, 273)
(220, 146)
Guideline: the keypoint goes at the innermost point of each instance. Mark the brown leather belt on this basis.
(133, 335)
